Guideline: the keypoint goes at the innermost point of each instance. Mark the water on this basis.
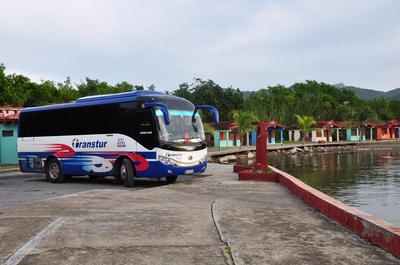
(368, 179)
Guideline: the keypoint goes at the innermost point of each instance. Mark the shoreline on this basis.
(231, 154)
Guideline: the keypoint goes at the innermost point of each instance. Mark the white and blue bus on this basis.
(141, 134)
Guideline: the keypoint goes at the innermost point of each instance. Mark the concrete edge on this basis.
(373, 230)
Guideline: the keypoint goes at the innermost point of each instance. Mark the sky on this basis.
(249, 44)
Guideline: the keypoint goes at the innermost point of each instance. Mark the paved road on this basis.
(18, 188)
(212, 220)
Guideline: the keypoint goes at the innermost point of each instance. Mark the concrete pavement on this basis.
(214, 219)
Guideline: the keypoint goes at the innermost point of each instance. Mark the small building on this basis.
(331, 131)
(8, 138)
(387, 130)
(227, 134)
(272, 127)
(325, 132)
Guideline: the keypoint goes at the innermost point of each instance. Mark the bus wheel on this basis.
(126, 172)
(171, 179)
(54, 172)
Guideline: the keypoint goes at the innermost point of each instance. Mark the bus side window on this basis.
(145, 133)
(27, 127)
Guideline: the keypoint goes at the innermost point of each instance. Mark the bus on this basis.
(138, 134)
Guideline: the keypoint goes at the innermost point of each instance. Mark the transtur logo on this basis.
(94, 144)
(174, 155)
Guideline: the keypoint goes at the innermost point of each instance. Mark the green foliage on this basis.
(319, 100)
(183, 92)
(208, 93)
(382, 108)
(394, 106)
(209, 128)
(305, 125)
(361, 117)
(66, 92)
(228, 249)
(269, 170)
(244, 122)
(19, 91)
(310, 98)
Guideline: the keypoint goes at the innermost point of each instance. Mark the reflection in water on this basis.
(368, 180)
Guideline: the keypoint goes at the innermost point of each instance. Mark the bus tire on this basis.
(171, 179)
(127, 173)
(54, 171)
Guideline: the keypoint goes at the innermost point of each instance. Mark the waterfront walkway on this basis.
(213, 219)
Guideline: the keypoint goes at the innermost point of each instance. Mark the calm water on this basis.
(368, 180)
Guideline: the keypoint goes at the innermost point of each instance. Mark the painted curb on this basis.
(373, 230)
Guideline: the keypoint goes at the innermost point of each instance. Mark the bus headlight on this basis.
(203, 159)
(166, 160)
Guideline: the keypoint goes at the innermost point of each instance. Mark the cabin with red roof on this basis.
(272, 127)
(227, 134)
(330, 131)
(8, 135)
(324, 132)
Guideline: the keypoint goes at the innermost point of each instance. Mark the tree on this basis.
(305, 125)
(123, 87)
(244, 122)
(151, 87)
(89, 88)
(382, 108)
(3, 83)
(183, 92)
(209, 128)
(209, 93)
(394, 105)
(66, 92)
(41, 94)
(16, 91)
(361, 118)
(137, 87)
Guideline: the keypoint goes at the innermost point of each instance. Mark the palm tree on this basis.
(244, 122)
(361, 118)
(208, 128)
(305, 123)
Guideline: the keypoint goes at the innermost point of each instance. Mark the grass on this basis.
(269, 170)
(8, 166)
(228, 249)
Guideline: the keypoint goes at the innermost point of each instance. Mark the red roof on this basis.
(224, 125)
(11, 118)
(344, 124)
(319, 124)
(231, 125)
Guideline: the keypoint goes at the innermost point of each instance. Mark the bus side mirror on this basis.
(163, 108)
(211, 108)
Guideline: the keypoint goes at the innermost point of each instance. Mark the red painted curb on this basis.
(256, 176)
(373, 230)
(238, 168)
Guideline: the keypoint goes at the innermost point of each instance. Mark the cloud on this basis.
(244, 44)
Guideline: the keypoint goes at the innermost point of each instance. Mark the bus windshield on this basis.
(183, 129)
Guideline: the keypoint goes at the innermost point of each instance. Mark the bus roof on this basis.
(131, 95)
(99, 99)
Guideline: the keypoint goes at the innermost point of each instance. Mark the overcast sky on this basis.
(248, 45)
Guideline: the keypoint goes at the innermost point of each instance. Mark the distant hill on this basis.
(368, 94)
(362, 93)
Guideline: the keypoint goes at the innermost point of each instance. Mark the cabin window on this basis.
(7, 133)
